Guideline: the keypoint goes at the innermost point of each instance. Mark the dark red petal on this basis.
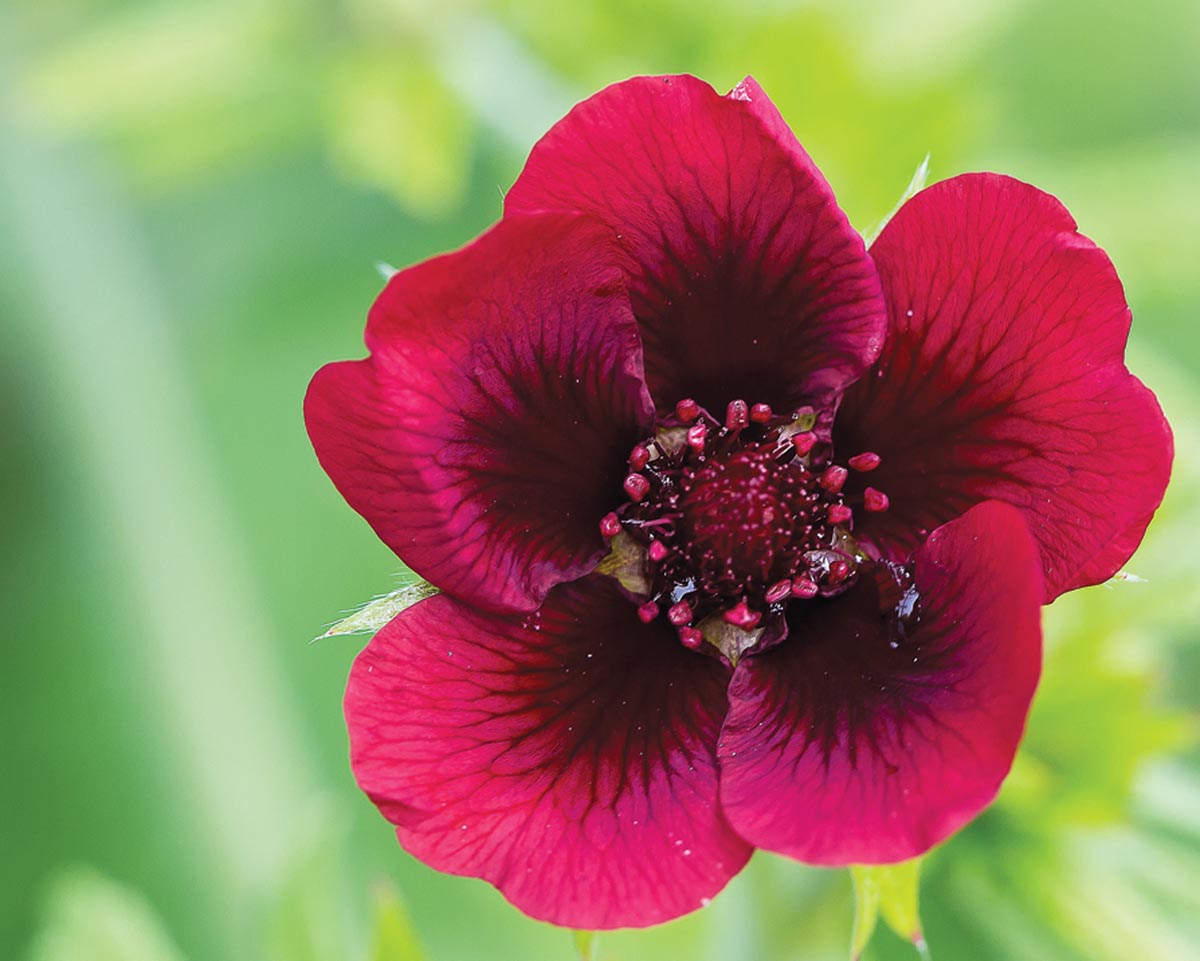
(486, 435)
(1003, 377)
(840, 748)
(1111, 557)
(746, 278)
(568, 759)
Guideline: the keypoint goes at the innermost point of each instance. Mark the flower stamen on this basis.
(833, 478)
(610, 525)
(865, 461)
(647, 612)
(737, 519)
(637, 486)
(687, 410)
(875, 501)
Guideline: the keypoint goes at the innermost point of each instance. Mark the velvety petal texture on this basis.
(850, 743)
(579, 744)
(746, 278)
(567, 757)
(1003, 376)
(487, 432)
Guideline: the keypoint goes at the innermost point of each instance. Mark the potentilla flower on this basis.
(742, 532)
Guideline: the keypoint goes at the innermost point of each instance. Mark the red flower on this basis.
(831, 490)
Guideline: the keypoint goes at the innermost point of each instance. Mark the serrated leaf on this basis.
(890, 890)
(919, 179)
(585, 945)
(375, 614)
(394, 938)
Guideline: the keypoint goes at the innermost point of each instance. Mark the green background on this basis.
(193, 196)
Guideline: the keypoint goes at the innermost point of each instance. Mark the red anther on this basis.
(875, 501)
(804, 441)
(833, 478)
(838, 572)
(778, 592)
(804, 587)
(610, 525)
(637, 487)
(695, 437)
(639, 457)
(865, 461)
(687, 410)
(680, 614)
(760, 413)
(737, 415)
(658, 552)
(839, 514)
(647, 612)
(741, 616)
(691, 638)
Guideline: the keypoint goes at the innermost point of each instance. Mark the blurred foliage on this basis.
(394, 938)
(192, 198)
(89, 918)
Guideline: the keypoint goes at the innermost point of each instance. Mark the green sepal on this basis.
(585, 945)
(890, 890)
(919, 179)
(1125, 577)
(374, 614)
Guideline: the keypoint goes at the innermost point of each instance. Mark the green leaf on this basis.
(373, 615)
(585, 945)
(394, 939)
(919, 179)
(91, 918)
(890, 890)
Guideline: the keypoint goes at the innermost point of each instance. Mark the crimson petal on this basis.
(568, 758)
(485, 436)
(746, 278)
(850, 744)
(1003, 377)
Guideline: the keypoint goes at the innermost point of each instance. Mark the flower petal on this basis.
(569, 758)
(486, 435)
(1003, 377)
(746, 278)
(841, 748)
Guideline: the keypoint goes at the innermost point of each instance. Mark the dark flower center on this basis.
(736, 517)
(731, 520)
